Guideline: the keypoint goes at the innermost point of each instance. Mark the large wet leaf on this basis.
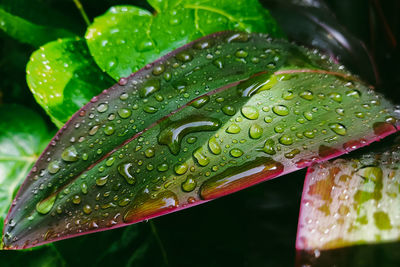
(350, 212)
(63, 77)
(23, 136)
(215, 116)
(125, 38)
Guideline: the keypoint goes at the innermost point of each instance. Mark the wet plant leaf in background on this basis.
(350, 211)
(23, 136)
(63, 77)
(213, 117)
(126, 38)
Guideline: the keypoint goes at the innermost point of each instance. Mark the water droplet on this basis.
(239, 37)
(150, 109)
(162, 167)
(109, 129)
(218, 63)
(102, 180)
(87, 209)
(340, 111)
(45, 205)
(201, 159)
(70, 154)
(236, 152)
(236, 178)
(54, 167)
(228, 110)
(338, 128)
(233, 129)
(189, 184)
(173, 134)
(213, 145)
(181, 168)
(288, 95)
(126, 170)
(255, 131)
(308, 115)
(102, 107)
(94, 130)
(286, 140)
(146, 207)
(150, 87)
(354, 93)
(76, 199)
(149, 153)
(250, 113)
(124, 113)
(84, 188)
(280, 110)
(159, 69)
(307, 95)
(200, 102)
(241, 53)
(123, 96)
(309, 134)
(184, 56)
(335, 97)
(292, 153)
(204, 44)
(269, 147)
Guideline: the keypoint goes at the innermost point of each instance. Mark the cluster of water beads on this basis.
(214, 143)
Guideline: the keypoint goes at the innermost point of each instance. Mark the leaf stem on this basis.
(160, 244)
(82, 11)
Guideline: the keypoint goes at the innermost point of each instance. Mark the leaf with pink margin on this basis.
(350, 211)
(215, 116)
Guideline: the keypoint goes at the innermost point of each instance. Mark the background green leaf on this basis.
(63, 77)
(125, 38)
(23, 136)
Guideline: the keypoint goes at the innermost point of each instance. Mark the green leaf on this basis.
(126, 38)
(63, 77)
(23, 136)
(348, 203)
(215, 116)
(28, 32)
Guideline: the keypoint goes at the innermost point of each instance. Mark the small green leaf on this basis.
(28, 32)
(350, 202)
(162, 139)
(63, 77)
(126, 38)
(23, 136)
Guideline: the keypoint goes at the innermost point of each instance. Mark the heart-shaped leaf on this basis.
(63, 77)
(350, 202)
(126, 38)
(220, 114)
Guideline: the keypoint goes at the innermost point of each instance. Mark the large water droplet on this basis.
(54, 167)
(150, 87)
(102, 107)
(338, 128)
(201, 159)
(69, 154)
(45, 205)
(255, 131)
(213, 145)
(189, 184)
(236, 178)
(173, 134)
(200, 102)
(280, 110)
(250, 112)
(126, 170)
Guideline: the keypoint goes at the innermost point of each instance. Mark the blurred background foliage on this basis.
(254, 227)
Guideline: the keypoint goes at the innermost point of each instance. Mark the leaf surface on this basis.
(213, 117)
(63, 77)
(23, 136)
(349, 208)
(126, 38)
